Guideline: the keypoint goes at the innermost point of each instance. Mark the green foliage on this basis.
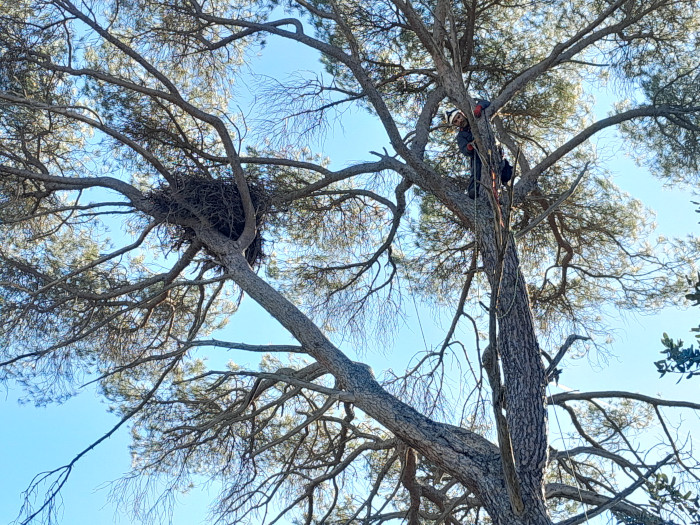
(670, 146)
(695, 296)
(679, 360)
(666, 495)
(108, 269)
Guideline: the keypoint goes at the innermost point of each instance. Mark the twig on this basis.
(555, 205)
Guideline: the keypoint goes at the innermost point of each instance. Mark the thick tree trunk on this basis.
(522, 368)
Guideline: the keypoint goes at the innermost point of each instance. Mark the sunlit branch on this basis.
(136, 198)
(398, 210)
(577, 425)
(422, 126)
(561, 490)
(249, 231)
(595, 451)
(352, 62)
(284, 437)
(213, 46)
(289, 378)
(329, 177)
(566, 50)
(72, 208)
(347, 194)
(166, 277)
(552, 367)
(617, 430)
(123, 47)
(672, 443)
(100, 260)
(553, 207)
(337, 469)
(471, 272)
(381, 475)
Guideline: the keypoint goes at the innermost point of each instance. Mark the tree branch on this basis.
(562, 351)
(618, 498)
(558, 399)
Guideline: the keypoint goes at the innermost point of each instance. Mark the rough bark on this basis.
(470, 458)
(523, 373)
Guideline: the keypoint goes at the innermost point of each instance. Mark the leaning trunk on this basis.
(468, 457)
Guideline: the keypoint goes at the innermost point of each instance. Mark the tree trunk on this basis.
(467, 456)
(523, 371)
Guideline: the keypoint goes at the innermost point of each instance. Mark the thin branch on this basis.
(565, 195)
(585, 516)
(562, 351)
(528, 180)
(560, 490)
(287, 349)
(559, 399)
(65, 470)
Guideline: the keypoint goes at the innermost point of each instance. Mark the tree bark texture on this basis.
(522, 367)
(470, 458)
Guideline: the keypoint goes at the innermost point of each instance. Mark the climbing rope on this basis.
(568, 456)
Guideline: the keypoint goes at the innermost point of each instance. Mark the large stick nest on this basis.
(217, 202)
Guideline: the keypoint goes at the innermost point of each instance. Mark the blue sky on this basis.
(33, 440)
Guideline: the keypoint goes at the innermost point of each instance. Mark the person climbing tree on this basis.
(466, 144)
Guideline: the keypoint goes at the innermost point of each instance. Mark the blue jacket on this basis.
(465, 136)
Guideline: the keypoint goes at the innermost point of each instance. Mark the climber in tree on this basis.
(465, 141)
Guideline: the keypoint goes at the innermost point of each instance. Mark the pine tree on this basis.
(140, 203)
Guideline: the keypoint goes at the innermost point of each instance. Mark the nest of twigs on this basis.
(217, 201)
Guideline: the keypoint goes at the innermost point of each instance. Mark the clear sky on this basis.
(33, 440)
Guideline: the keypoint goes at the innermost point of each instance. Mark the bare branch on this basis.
(551, 369)
(559, 399)
(619, 497)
